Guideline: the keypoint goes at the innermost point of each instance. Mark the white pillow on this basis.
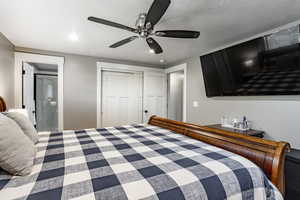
(25, 124)
(17, 151)
(22, 111)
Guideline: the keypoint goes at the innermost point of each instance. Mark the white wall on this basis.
(278, 116)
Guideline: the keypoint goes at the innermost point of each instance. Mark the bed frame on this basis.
(268, 155)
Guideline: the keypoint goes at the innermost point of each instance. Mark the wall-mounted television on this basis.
(268, 65)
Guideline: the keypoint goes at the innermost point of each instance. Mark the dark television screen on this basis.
(268, 65)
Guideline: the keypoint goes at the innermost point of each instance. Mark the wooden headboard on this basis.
(2, 105)
(266, 154)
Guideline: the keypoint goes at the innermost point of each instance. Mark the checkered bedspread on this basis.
(135, 162)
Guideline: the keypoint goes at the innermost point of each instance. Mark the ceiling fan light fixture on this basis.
(141, 20)
(151, 51)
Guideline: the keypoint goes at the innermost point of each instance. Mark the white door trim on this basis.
(21, 57)
(101, 66)
(181, 67)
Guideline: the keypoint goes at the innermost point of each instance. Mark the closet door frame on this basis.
(103, 66)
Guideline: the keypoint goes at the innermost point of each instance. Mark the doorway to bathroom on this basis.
(40, 94)
(175, 95)
(39, 89)
(177, 88)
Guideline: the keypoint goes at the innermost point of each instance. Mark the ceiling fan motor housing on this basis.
(141, 27)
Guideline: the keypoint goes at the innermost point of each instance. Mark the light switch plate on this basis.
(195, 104)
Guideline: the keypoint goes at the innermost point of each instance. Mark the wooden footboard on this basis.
(268, 155)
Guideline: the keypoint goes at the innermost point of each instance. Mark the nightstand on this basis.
(251, 132)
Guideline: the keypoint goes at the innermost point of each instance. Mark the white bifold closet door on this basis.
(122, 98)
(155, 95)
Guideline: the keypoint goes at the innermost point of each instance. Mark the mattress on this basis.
(135, 162)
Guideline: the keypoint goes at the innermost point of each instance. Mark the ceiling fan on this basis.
(145, 27)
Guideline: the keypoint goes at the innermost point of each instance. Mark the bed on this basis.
(163, 159)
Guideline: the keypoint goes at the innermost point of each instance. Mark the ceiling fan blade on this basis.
(113, 24)
(123, 42)
(178, 34)
(156, 11)
(154, 45)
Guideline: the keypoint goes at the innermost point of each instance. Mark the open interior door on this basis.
(28, 91)
(155, 95)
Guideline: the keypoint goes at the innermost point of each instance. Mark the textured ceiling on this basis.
(47, 24)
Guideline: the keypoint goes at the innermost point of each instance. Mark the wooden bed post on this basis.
(268, 155)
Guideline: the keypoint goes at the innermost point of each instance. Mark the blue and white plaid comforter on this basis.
(135, 162)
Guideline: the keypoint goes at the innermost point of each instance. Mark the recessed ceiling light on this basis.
(73, 37)
(162, 61)
(151, 51)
